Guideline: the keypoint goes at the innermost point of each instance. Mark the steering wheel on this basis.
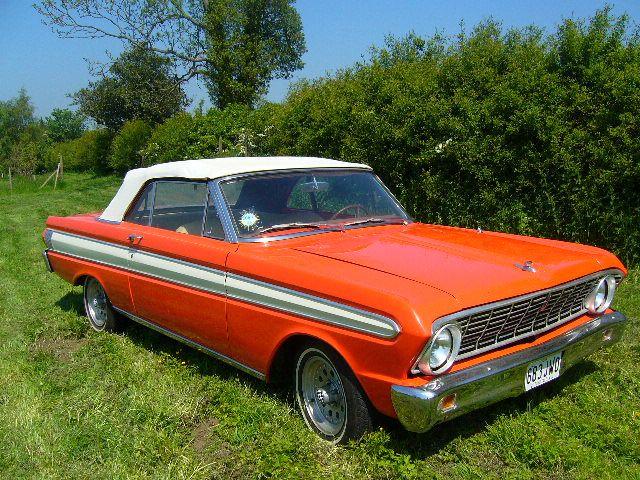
(359, 209)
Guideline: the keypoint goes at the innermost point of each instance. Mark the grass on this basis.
(76, 404)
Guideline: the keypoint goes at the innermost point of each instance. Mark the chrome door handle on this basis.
(133, 237)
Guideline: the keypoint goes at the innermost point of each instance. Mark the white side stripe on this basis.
(178, 271)
(300, 303)
(217, 281)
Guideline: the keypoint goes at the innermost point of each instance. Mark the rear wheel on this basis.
(98, 307)
(329, 397)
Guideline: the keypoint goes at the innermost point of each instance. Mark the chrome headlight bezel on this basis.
(607, 285)
(422, 364)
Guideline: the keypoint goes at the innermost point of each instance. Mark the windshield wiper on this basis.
(287, 226)
(365, 221)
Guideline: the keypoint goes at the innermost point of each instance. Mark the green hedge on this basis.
(90, 152)
(508, 130)
(230, 132)
(127, 146)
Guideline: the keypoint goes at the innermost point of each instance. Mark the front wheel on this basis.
(98, 307)
(329, 397)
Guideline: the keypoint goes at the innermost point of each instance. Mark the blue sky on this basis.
(338, 32)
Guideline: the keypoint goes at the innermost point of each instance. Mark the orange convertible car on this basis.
(309, 270)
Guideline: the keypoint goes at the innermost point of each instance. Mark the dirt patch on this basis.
(62, 348)
(202, 434)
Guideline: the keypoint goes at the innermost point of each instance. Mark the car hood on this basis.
(474, 267)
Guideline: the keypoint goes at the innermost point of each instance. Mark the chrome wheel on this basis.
(96, 304)
(321, 394)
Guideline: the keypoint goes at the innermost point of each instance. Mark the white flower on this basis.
(441, 146)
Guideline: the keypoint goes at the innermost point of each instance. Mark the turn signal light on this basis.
(448, 403)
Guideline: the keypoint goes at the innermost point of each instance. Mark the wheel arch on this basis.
(80, 278)
(281, 366)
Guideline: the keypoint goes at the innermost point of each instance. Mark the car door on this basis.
(178, 261)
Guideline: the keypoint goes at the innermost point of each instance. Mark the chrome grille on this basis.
(486, 328)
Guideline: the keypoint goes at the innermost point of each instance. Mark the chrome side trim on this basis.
(326, 311)
(489, 306)
(223, 212)
(113, 222)
(46, 260)
(191, 343)
(286, 236)
(420, 408)
(90, 249)
(220, 282)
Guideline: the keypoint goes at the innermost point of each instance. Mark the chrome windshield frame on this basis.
(228, 222)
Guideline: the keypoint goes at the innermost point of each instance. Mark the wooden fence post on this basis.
(10, 180)
(55, 182)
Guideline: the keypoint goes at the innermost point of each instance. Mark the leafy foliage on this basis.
(170, 140)
(126, 149)
(19, 134)
(250, 42)
(25, 155)
(510, 131)
(139, 86)
(90, 152)
(227, 132)
(236, 46)
(64, 124)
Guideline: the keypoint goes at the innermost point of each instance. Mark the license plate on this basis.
(542, 371)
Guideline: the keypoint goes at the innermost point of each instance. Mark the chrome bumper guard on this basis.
(45, 255)
(420, 408)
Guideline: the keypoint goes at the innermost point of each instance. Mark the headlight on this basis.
(441, 351)
(601, 296)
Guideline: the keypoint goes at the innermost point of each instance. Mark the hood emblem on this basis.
(526, 266)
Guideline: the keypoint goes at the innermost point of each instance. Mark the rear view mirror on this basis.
(314, 186)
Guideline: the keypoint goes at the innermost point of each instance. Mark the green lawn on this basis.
(77, 404)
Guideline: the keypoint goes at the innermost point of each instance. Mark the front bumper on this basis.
(420, 408)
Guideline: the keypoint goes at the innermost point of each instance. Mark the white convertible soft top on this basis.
(207, 169)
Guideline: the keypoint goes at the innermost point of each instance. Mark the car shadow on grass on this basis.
(72, 302)
(418, 446)
(204, 364)
(423, 445)
(159, 343)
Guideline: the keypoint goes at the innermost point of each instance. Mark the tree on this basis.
(64, 124)
(25, 155)
(236, 46)
(21, 135)
(16, 115)
(139, 85)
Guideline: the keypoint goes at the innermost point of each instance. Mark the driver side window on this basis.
(177, 206)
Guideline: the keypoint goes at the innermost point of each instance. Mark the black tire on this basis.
(98, 308)
(317, 408)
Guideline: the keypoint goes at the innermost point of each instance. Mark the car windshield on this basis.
(312, 200)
